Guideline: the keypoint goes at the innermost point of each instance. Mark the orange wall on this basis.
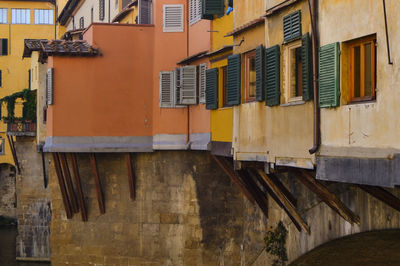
(108, 95)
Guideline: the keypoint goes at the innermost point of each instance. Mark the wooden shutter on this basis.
(329, 93)
(166, 89)
(212, 7)
(29, 79)
(260, 73)
(173, 18)
(212, 89)
(234, 80)
(101, 9)
(272, 76)
(202, 83)
(1, 84)
(177, 86)
(306, 59)
(188, 85)
(4, 46)
(49, 86)
(292, 26)
(145, 15)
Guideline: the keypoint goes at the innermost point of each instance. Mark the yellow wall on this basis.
(14, 69)
(131, 17)
(247, 10)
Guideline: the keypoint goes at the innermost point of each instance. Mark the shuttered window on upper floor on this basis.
(173, 18)
(306, 59)
(44, 16)
(260, 73)
(329, 75)
(272, 76)
(3, 46)
(81, 23)
(3, 16)
(292, 26)
(202, 83)
(145, 15)
(212, 7)
(49, 86)
(194, 11)
(188, 85)
(101, 10)
(212, 89)
(166, 89)
(20, 16)
(234, 80)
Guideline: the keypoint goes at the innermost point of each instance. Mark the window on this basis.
(101, 10)
(294, 89)
(3, 46)
(362, 69)
(81, 23)
(195, 11)
(3, 16)
(49, 86)
(145, 12)
(20, 16)
(91, 15)
(212, 7)
(224, 80)
(43, 16)
(172, 18)
(1, 144)
(1, 82)
(202, 82)
(250, 70)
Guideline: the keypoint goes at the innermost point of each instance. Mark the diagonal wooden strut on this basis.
(325, 195)
(382, 195)
(62, 185)
(14, 152)
(288, 205)
(100, 197)
(78, 185)
(259, 196)
(131, 176)
(233, 176)
(68, 181)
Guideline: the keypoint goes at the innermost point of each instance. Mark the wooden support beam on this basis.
(131, 176)
(100, 197)
(233, 176)
(283, 189)
(62, 185)
(68, 181)
(382, 195)
(259, 196)
(13, 152)
(78, 185)
(325, 195)
(45, 179)
(261, 181)
(288, 205)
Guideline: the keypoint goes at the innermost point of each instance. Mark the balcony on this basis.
(21, 128)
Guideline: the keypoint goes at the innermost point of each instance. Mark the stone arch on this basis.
(8, 198)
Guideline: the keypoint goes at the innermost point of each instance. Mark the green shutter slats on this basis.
(211, 8)
(272, 76)
(260, 73)
(329, 89)
(212, 89)
(292, 26)
(306, 60)
(4, 46)
(234, 80)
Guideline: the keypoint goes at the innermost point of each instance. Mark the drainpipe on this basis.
(314, 39)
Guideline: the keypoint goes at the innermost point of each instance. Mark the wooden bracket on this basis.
(100, 197)
(61, 183)
(326, 196)
(68, 181)
(259, 196)
(78, 185)
(14, 152)
(288, 206)
(382, 195)
(131, 176)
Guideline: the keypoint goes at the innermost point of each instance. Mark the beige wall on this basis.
(374, 124)
(247, 10)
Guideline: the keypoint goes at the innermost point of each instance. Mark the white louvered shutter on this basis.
(166, 89)
(202, 83)
(49, 86)
(188, 85)
(173, 18)
(177, 86)
(192, 11)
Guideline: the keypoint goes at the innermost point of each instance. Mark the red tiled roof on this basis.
(246, 26)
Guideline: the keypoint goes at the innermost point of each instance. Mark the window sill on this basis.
(369, 101)
(225, 108)
(293, 103)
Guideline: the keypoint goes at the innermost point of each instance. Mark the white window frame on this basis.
(288, 72)
(179, 28)
(44, 16)
(195, 7)
(3, 15)
(170, 103)
(20, 16)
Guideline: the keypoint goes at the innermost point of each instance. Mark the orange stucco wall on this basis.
(108, 95)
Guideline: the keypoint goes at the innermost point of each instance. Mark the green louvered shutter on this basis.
(292, 26)
(4, 46)
(306, 60)
(211, 8)
(329, 93)
(272, 76)
(234, 81)
(212, 89)
(260, 73)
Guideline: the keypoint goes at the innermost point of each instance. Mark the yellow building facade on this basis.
(20, 20)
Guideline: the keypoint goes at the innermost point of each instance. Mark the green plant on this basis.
(29, 105)
(275, 244)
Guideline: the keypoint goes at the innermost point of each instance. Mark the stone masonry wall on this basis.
(33, 203)
(8, 200)
(186, 212)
